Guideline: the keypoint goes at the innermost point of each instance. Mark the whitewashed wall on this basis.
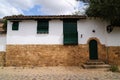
(113, 38)
(86, 27)
(2, 42)
(27, 33)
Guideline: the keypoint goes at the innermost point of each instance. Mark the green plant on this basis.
(114, 68)
(5, 24)
(108, 10)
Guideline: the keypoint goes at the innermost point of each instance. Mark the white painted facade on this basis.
(86, 27)
(27, 33)
(2, 42)
(113, 38)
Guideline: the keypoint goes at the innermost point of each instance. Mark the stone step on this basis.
(95, 66)
(94, 62)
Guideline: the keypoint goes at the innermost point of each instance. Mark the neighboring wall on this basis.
(2, 42)
(2, 49)
(2, 58)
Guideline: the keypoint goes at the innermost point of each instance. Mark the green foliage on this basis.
(77, 13)
(5, 25)
(106, 9)
(114, 68)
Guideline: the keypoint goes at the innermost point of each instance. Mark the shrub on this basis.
(114, 68)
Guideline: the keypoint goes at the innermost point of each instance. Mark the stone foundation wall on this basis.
(102, 53)
(50, 55)
(114, 55)
(46, 55)
(2, 58)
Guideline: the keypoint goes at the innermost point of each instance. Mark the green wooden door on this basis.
(93, 50)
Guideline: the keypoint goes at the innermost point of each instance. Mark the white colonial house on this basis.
(66, 40)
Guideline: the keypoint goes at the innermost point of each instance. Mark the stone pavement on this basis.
(56, 73)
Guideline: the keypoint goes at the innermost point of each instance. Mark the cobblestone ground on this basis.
(56, 73)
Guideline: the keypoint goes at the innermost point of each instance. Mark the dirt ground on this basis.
(56, 73)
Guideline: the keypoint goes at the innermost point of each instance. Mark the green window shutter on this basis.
(42, 26)
(70, 32)
(15, 25)
(70, 38)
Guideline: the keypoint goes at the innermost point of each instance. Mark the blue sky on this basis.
(33, 11)
(39, 7)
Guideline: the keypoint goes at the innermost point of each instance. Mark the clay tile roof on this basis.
(1, 25)
(1, 20)
(21, 17)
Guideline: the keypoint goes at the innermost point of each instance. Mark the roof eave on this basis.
(44, 17)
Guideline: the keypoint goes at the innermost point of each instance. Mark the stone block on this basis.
(2, 58)
(57, 55)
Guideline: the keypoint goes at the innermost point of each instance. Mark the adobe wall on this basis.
(2, 58)
(50, 55)
(114, 55)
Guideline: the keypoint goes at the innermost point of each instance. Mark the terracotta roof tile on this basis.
(1, 25)
(1, 28)
(1, 20)
(21, 17)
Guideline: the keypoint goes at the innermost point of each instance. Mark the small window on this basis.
(42, 26)
(15, 25)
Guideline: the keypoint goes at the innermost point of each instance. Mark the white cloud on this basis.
(7, 9)
(48, 7)
(21, 4)
(58, 7)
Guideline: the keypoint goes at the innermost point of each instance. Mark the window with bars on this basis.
(15, 25)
